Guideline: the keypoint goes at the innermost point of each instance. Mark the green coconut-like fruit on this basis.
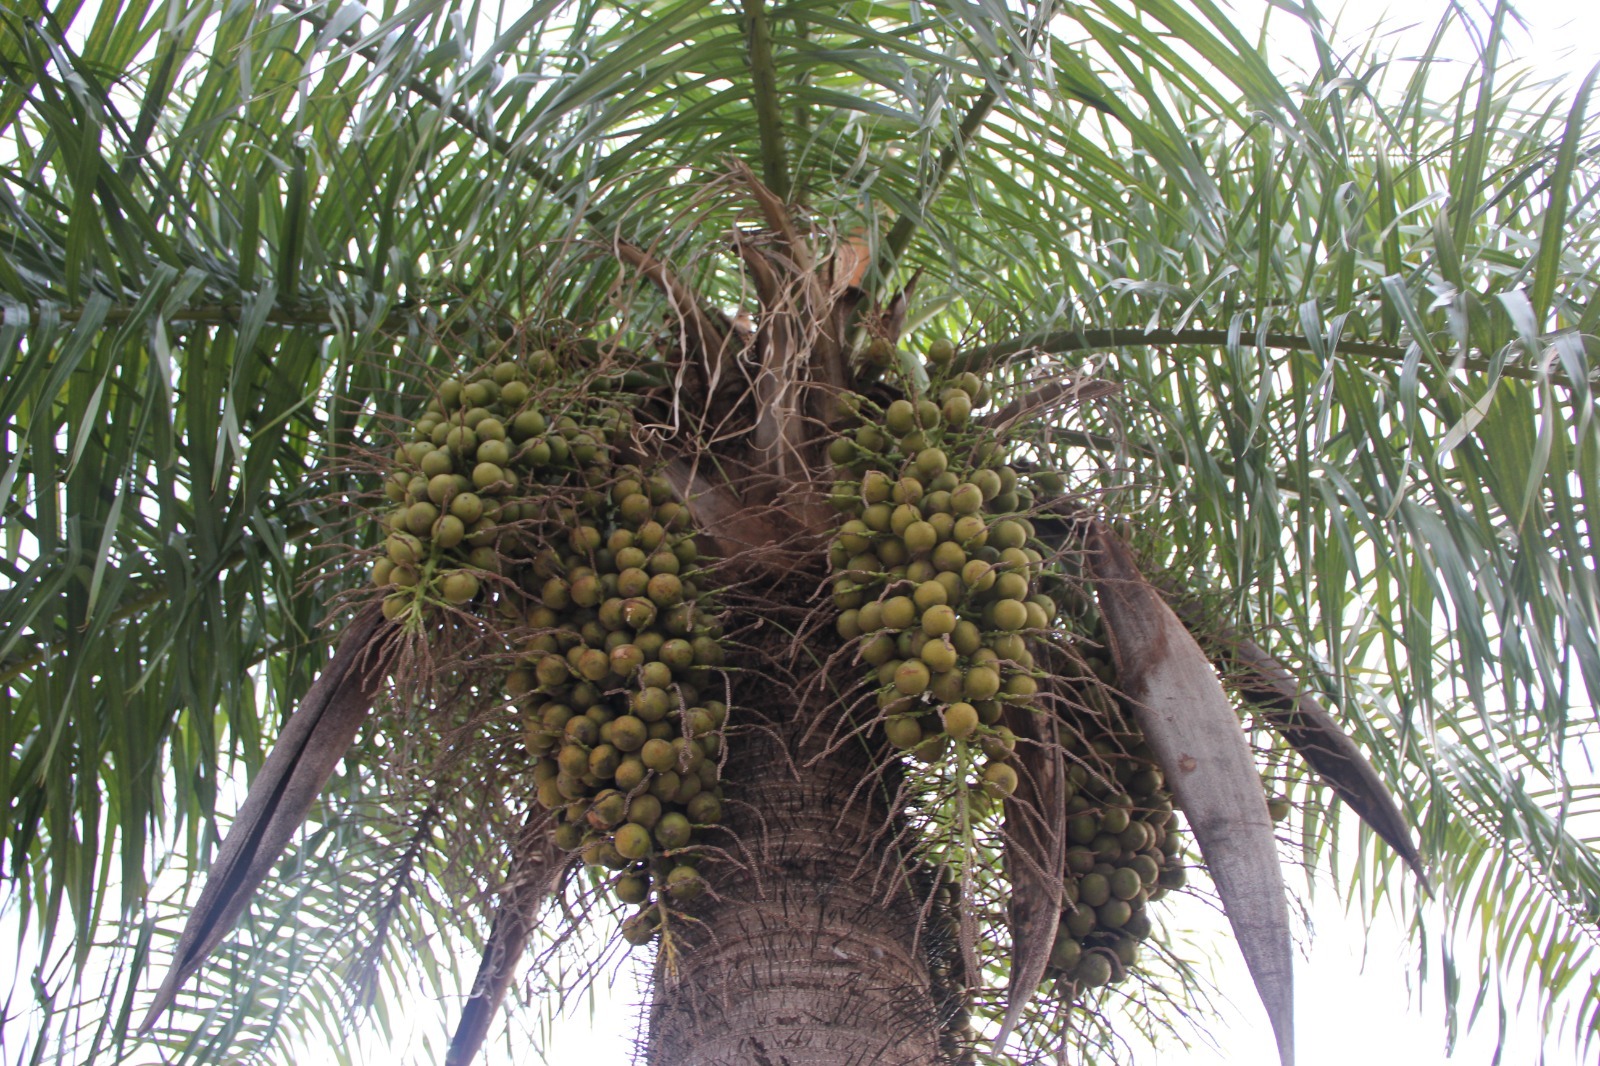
(458, 587)
(999, 780)
(1093, 970)
(960, 720)
(684, 883)
(673, 831)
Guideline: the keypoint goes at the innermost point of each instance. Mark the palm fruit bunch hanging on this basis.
(1123, 847)
(946, 590)
(513, 501)
(934, 573)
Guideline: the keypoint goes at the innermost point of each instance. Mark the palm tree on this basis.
(1315, 358)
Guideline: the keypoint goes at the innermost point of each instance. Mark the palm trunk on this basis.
(807, 952)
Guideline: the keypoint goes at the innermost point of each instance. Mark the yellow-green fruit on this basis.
(628, 733)
(957, 407)
(941, 352)
(920, 537)
(395, 605)
(549, 794)
(876, 486)
(684, 883)
(440, 487)
(1010, 586)
(632, 888)
(1093, 970)
(607, 810)
(911, 677)
(1008, 615)
(1114, 914)
(1126, 883)
(1094, 889)
(458, 587)
(437, 463)
(999, 780)
(632, 841)
(949, 557)
(450, 531)
(901, 418)
(999, 743)
(644, 810)
(903, 731)
(879, 650)
(982, 683)
(672, 831)
(902, 518)
(939, 620)
(705, 809)
(494, 451)
(487, 475)
(939, 656)
(966, 499)
(960, 720)
(948, 687)
(382, 570)
(928, 415)
(657, 755)
(420, 518)
(1065, 952)
(1007, 533)
(666, 590)
(906, 490)
(931, 462)
(899, 612)
(966, 637)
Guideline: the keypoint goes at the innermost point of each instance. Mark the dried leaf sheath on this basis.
(313, 741)
(1189, 723)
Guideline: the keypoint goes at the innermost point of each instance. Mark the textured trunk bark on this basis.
(809, 953)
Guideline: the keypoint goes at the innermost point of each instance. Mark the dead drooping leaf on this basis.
(1034, 844)
(529, 885)
(1190, 724)
(313, 741)
(1313, 733)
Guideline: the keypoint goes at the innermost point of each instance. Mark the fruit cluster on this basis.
(595, 560)
(941, 582)
(1123, 846)
(935, 574)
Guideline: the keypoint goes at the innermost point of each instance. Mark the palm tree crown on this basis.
(1350, 325)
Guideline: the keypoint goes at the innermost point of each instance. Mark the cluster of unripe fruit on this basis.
(594, 560)
(941, 583)
(1123, 847)
(935, 572)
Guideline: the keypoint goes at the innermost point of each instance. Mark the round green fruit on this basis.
(672, 831)
(999, 780)
(1093, 970)
(960, 720)
(458, 587)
